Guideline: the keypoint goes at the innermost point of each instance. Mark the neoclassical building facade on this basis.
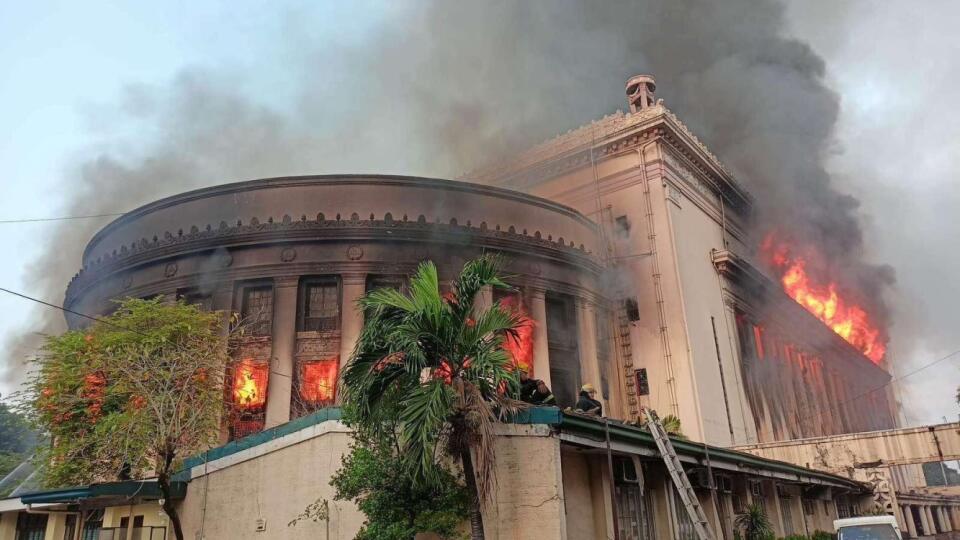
(293, 255)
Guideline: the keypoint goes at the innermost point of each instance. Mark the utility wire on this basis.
(62, 218)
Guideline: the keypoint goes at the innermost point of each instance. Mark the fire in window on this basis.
(256, 309)
(643, 383)
(248, 396)
(520, 345)
(250, 383)
(320, 305)
(318, 382)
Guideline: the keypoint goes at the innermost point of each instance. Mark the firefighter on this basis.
(588, 404)
(535, 391)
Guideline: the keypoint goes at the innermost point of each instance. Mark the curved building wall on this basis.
(292, 256)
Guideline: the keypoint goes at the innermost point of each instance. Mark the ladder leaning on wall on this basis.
(679, 476)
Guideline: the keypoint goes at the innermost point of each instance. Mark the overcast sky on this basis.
(67, 67)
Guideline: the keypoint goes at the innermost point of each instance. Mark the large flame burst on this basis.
(519, 346)
(849, 320)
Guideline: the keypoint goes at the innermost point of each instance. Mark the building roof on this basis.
(611, 134)
(109, 493)
(578, 430)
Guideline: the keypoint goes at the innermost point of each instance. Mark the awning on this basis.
(144, 490)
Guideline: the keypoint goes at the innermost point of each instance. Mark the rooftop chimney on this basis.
(640, 90)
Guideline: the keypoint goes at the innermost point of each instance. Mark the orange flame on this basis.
(250, 383)
(519, 347)
(318, 380)
(847, 319)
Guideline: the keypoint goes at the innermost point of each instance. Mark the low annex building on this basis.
(567, 493)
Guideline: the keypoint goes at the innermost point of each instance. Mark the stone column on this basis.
(945, 519)
(280, 381)
(927, 518)
(908, 522)
(587, 345)
(484, 299)
(541, 349)
(353, 286)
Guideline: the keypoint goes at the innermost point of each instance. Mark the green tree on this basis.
(754, 524)
(132, 395)
(397, 508)
(431, 368)
(17, 439)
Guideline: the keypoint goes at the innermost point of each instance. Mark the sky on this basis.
(78, 79)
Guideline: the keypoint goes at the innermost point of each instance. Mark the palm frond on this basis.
(423, 417)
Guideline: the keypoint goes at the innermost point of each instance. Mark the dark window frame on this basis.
(306, 323)
(260, 328)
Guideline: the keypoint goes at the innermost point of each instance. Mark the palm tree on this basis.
(754, 524)
(430, 367)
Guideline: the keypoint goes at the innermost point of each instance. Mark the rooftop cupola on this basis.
(640, 92)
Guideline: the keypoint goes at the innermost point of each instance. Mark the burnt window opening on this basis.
(632, 308)
(256, 309)
(195, 296)
(319, 306)
(562, 346)
(643, 383)
(621, 227)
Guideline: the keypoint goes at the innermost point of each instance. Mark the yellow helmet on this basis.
(588, 388)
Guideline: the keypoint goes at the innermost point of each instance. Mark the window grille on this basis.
(319, 305)
(31, 526)
(643, 383)
(633, 510)
(256, 309)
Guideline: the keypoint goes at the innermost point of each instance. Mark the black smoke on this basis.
(446, 86)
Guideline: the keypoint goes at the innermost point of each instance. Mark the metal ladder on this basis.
(680, 480)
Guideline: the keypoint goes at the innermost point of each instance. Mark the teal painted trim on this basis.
(146, 489)
(595, 428)
(538, 415)
(267, 435)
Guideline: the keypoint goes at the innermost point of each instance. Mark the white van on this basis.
(867, 528)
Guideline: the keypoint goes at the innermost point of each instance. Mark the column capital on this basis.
(536, 292)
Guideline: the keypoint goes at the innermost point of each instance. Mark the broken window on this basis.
(632, 308)
(643, 383)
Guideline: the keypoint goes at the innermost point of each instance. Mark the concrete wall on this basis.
(275, 481)
(274, 487)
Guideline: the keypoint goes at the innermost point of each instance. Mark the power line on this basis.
(61, 218)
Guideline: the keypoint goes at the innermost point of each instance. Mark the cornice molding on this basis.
(609, 136)
(290, 231)
(334, 180)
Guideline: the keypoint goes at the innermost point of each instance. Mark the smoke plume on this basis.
(446, 86)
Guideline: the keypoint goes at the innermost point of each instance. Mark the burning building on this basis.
(630, 244)
(293, 255)
(637, 268)
(728, 327)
